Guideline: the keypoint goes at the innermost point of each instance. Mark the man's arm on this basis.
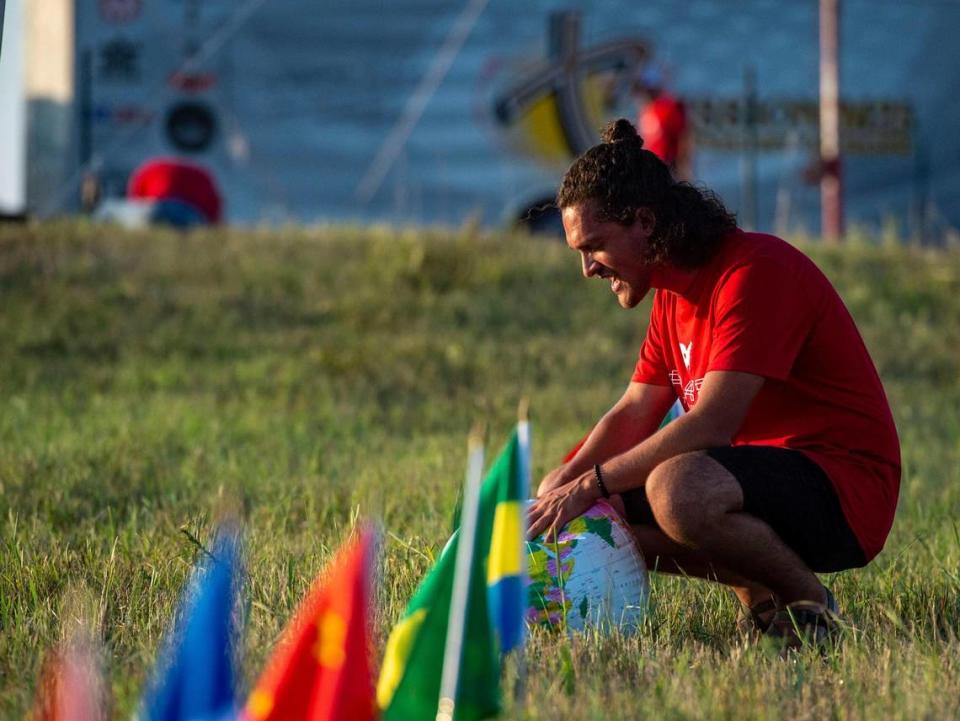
(725, 398)
(632, 419)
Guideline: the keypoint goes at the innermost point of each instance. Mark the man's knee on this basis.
(689, 494)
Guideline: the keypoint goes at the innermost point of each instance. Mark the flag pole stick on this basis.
(523, 436)
(453, 648)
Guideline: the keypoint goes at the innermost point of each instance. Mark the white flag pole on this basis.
(523, 436)
(456, 622)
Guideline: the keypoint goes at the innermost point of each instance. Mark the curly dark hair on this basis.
(621, 177)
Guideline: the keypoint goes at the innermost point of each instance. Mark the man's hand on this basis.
(555, 508)
(554, 479)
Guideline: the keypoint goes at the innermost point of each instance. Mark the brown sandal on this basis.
(806, 624)
(757, 618)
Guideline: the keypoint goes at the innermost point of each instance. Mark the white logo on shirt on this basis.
(690, 392)
(685, 352)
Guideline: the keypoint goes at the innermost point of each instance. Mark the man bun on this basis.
(621, 131)
(619, 177)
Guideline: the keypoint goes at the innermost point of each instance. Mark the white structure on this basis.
(36, 115)
(48, 80)
(12, 109)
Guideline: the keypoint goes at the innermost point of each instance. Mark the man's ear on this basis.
(645, 220)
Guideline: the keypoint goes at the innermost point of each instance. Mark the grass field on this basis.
(147, 378)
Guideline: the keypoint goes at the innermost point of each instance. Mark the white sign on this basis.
(139, 95)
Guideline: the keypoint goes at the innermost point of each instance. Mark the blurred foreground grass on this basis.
(318, 375)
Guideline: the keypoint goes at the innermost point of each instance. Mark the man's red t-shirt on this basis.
(760, 306)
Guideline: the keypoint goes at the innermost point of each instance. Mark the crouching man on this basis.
(787, 461)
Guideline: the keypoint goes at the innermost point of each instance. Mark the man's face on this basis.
(611, 251)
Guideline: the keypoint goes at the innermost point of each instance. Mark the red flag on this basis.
(321, 670)
(70, 688)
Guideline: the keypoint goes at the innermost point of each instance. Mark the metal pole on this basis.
(85, 121)
(3, 5)
(831, 186)
(748, 167)
(921, 189)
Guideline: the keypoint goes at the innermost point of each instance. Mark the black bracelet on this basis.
(600, 483)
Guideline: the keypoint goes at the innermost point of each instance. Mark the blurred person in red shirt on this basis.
(663, 123)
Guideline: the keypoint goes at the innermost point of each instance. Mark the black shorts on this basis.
(789, 492)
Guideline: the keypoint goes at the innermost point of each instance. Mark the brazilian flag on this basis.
(409, 685)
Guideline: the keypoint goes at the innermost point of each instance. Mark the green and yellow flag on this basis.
(409, 685)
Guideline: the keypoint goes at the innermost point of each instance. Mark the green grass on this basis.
(149, 379)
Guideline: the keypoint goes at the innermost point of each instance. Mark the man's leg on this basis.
(698, 505)
(667, 556)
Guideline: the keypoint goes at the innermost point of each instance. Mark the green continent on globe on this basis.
(558, 599)
(548, 605)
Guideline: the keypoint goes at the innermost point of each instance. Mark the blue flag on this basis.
(194, 676)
